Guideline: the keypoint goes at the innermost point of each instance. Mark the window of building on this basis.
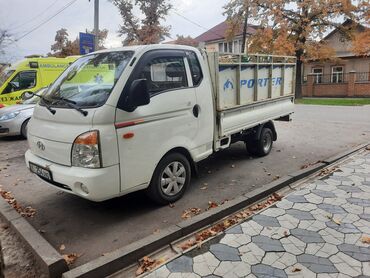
(165, 73)
(337, 74)
(317, 74)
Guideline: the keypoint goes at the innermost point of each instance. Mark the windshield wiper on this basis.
(71, 104)
(46, 102)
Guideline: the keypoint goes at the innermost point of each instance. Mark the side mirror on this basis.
(27, 95)
(138, 95)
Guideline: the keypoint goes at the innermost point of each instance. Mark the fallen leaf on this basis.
(171, 205)
(71, 258)
(232, 166)
(190, 212)
(203, 188)
(365, 239)
(296, 269)
(212, 205)
(42, 231)
(62, 247)
(286, 233)
(156, 231)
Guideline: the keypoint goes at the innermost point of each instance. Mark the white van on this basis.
(141, 117)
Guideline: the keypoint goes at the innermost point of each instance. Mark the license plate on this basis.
(40, 171)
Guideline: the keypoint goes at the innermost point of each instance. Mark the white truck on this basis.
(141, 117)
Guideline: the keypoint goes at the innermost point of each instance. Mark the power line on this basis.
(46, 21)
(35, 17)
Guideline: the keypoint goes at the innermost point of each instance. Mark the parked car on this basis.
(30, 74)
(14, 119)
(150, 114)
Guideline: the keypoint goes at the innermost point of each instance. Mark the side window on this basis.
(165, 73)
(196, 72)
(23, 80)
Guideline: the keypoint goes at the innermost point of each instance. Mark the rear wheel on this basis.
(170, 179)
(24, 129)
(262, 146)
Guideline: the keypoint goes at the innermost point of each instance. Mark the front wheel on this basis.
(170, 179)
(24, 129)
(263, 146)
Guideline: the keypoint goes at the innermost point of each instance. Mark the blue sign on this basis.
(86, 43)
(261, 82)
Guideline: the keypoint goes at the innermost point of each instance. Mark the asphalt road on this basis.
(92, 229)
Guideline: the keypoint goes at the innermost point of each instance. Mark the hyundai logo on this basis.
(40, 145)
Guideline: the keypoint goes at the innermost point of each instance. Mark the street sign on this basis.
(86, 43)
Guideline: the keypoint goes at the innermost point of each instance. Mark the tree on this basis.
(301, 20)
(5, 39)
(185, 40)
(144, 29)
(361, 43)
(102, 36)
(64, 47)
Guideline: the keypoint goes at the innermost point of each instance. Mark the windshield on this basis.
(89, 81)
(5, 75)
(35, 99)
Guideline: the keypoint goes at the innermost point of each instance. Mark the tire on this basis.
(164, 179)
(24, 129)
(263, 146)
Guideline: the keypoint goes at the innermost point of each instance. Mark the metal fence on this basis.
(362, 77)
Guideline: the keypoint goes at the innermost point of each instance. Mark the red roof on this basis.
(218, 32)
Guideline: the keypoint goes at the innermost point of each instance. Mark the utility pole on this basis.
(96, 23)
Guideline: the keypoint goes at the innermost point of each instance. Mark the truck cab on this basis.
(134, 118)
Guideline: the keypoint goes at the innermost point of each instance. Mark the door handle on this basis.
(196, 110)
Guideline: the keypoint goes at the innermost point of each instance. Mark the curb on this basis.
(54, 265)
(49, 260)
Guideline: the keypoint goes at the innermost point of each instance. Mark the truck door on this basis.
(148, 133)
(204, 108)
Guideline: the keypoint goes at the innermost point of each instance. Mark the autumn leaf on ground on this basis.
(203, 188)
(368, 148)
(190, 212)
(286, 233)
(62, 247)
(365, 239)
(171, 205)
(296, 269)
(71, 258)
(212, 205)
(148, 264)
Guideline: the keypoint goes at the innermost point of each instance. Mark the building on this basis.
(215, 38)
(346, 75)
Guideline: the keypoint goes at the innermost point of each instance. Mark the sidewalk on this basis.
(320, 230)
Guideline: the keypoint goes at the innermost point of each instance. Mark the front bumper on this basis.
(10, 128)
(102, 183)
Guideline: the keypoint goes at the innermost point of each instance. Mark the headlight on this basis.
(86, 151)
(9, 116)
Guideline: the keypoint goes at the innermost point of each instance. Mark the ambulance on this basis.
(30, 74)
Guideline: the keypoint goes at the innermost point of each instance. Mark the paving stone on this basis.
(327, 250)
(307, 236)
(317, 264)
(181, 264)
(224, 252)
(267, 244)
(301, 215)
(266, 271)
(266, 221)
(293, 245)
(331, 208)
(235, 230)
(161, 272)
(232, 269)
(212, 276)
(323, 193)
(311, 225)
(230, 240)
(348, 188)
(251, 228)
(273, 212)
(251, 253)
(313, 198)
(346, 228)
(287, 221)
(287, 260)
(284, 204)
(352, 238)
(359, 202)
(346, 264)
(359, 253)
(365, 216)
(296, 198)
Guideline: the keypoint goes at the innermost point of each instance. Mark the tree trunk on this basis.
(245, 28)
(2, 264)
(298, 75)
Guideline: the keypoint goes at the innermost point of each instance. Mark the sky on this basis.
(21, 16)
